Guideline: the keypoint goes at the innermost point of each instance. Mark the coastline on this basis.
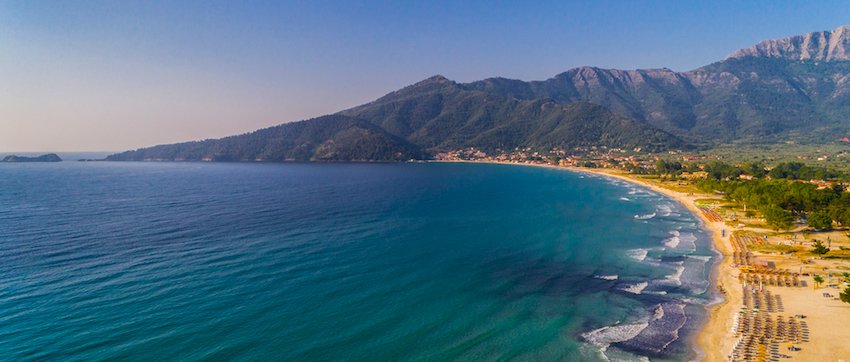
(711, 339)
(710, 334)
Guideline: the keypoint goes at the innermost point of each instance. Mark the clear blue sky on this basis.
(113, 75)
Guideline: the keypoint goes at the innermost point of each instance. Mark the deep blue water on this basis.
(196, 261)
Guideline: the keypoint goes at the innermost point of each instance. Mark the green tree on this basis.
(819, 248)
(818, 280)
(820, 220)
(663, 167)
(845, 295)
(777, 218)
(842, 215)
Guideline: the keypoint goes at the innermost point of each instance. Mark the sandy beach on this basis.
(826, 318)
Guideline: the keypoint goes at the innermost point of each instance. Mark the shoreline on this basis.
(711, 330)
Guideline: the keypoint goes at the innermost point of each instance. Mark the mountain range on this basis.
(790, 89)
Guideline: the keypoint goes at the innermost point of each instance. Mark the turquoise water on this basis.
(192, 261)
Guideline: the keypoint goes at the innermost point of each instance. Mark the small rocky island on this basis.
(50, 157)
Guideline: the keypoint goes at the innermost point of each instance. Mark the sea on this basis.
(105, 261)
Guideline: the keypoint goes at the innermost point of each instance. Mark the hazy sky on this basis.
(115, 75)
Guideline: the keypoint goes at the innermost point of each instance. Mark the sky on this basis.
(116, 75)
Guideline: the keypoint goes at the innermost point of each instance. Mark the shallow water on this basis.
(194, 261)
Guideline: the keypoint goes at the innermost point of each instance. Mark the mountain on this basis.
(660, 97)
(328, 138)
(823, 46)
(790, 89)
(795, 88)
(439, 114)
(432, 115)
(50, 157)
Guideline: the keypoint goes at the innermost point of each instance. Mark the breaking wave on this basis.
(607, 277)
(664, 209)
(676, 277)
(636, 288)
(645, 217)
(638, 254)
(661, 330)
(605, 336)
(673, 241)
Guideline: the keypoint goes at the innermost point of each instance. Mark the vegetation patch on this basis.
(775, 248)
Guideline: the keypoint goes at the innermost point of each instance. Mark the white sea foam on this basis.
(673, 241)
(588, 351)
(664, 209)
(644, 217)
(607, 277)
(700, 257)
(636, 288)
(693, 277)
(662, 329)
(688, 241)
(676, 277)
(625, 199)
(604, 336)
(616, 355)
(638, 254)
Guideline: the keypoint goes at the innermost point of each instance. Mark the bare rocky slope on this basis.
(816, 46)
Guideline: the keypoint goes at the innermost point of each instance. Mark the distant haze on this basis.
(116, 75)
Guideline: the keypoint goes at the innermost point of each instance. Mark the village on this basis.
(632, 161)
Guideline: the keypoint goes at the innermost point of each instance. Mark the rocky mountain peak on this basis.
(435, 79)
(817, 46)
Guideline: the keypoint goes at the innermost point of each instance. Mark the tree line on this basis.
(724, 171)
(776, 192)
